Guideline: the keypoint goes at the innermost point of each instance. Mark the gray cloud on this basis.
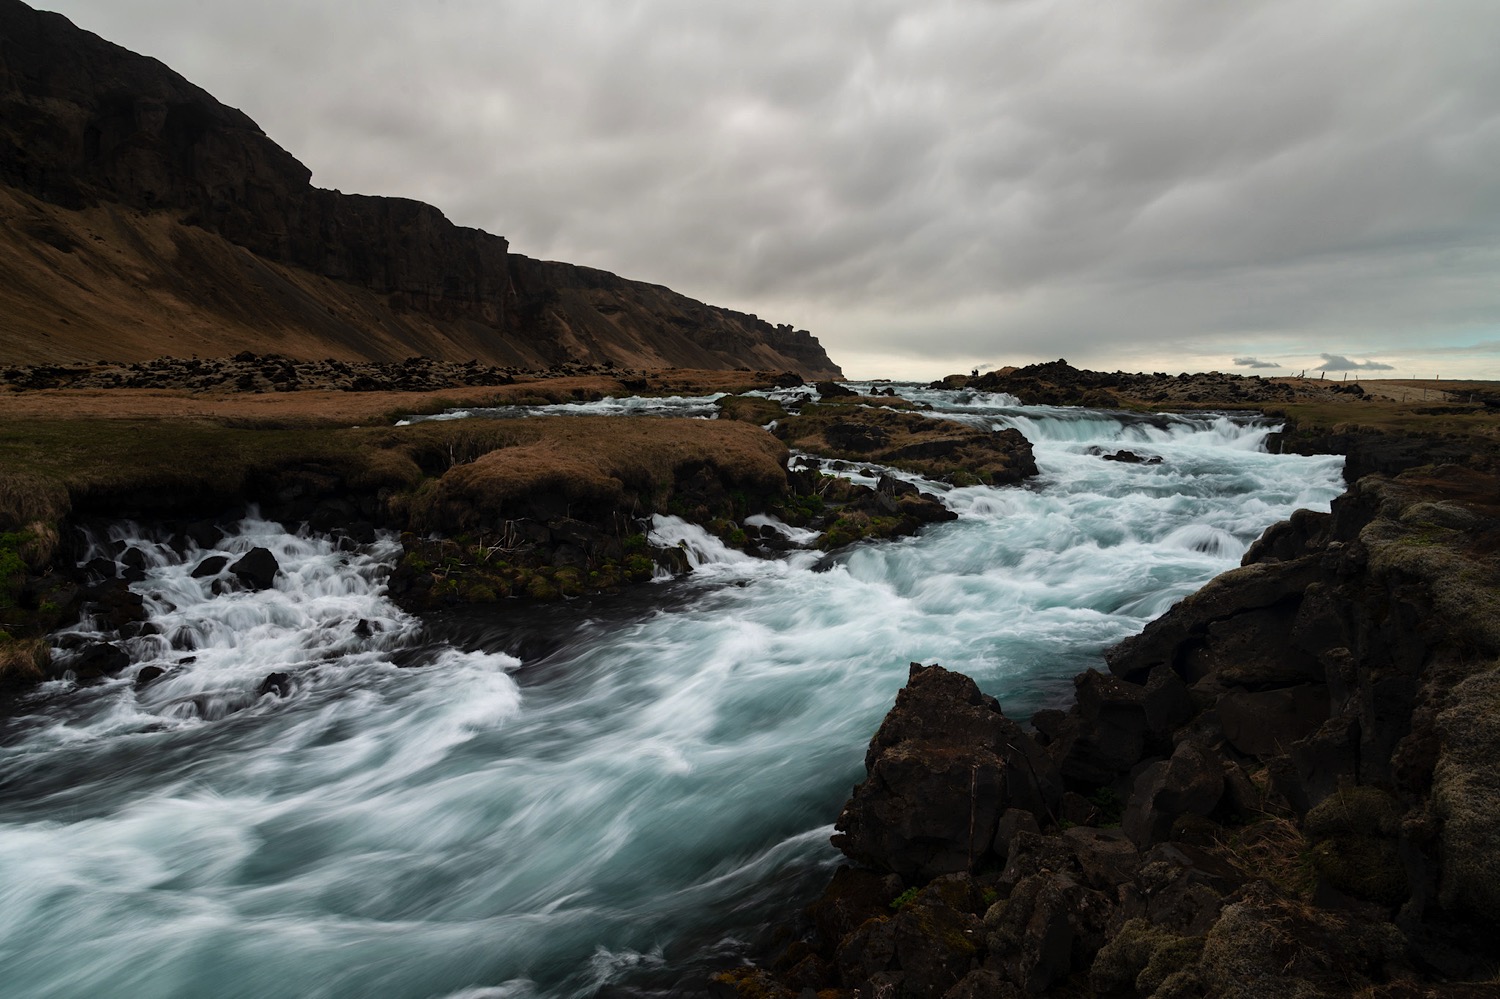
(1251, 362)
(1338, 362)
(981, 178)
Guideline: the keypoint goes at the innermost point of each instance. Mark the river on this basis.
(618, 793)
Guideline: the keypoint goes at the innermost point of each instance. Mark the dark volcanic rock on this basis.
(1058, 383)
(147, 674)
(1269, 722)
(276, 684)
(936, 448)
(1189, 783)
(100, 659)
(1109, 730)
(1044, 932)
(942, 767)
(853, 435)
(257, 569)
(210, 566)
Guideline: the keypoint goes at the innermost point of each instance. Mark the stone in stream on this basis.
(99, 659)
(134, 562)
(210, 566)
(257, 569)
(102, 568)
(119, 604)
(147, 674)
(278, 684)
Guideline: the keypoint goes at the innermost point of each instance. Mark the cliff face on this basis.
(157, 191)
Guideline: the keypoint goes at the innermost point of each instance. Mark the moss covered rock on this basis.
(1354, 844)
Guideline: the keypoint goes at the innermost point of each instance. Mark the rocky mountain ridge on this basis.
(133, 205)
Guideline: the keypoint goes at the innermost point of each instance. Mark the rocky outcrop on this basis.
(1369, 451)
(945, 450)
(1058, 383)
(102, 149)
(1284, 786)
(943, 767)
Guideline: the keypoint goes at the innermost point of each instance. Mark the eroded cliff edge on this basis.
(1284, 786)
(140, 217)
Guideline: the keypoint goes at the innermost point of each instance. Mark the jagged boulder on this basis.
(1107, 732)
(942, 767)
(1240, 620)
(1189, 783)
(99, 659)
(257, 569)
(1049, 928)
(210, 566)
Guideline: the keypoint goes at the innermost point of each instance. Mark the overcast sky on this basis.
(929, 187)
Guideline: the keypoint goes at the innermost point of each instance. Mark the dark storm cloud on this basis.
(1251, 362)
(1338, 362)
(978, 178)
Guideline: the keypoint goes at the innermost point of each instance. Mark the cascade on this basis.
(424, 813)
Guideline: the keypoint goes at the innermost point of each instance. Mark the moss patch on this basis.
(1142, 957)
(1466, 796)
(1354, 844)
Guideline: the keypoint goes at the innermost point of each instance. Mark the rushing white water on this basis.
(543, 801)
(695, 406)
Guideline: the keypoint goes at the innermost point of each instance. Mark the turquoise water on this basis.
(545, 802)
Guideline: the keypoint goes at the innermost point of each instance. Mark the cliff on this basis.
(140, 217)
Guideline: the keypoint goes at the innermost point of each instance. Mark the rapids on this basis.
(621, 792)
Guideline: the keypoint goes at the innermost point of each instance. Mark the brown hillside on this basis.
(140, 217)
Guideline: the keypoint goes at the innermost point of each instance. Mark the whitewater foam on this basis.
(419, 818)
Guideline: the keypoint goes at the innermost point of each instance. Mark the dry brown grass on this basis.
(589, 465)
(23, 661)
(1391, 417)
(1272, 850)
(1425, 389)
(329, 408)
(50, 467)
(110, 282)
(27, 497)
(750, 409)
(47, 467)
